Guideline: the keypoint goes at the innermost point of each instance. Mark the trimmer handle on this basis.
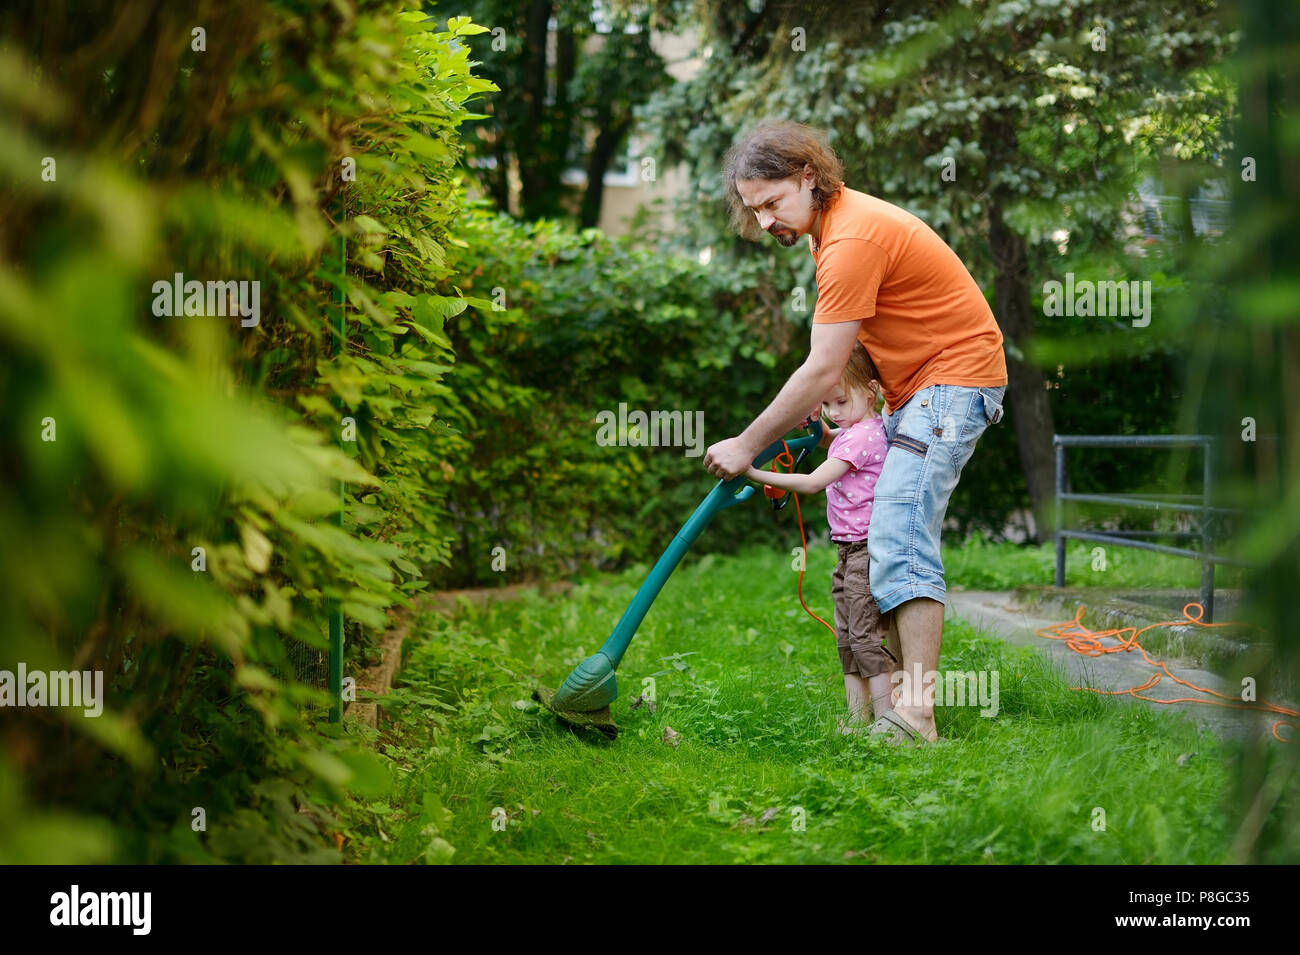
(724, 494)
(779, 502)
(739, 489)
(802, 445)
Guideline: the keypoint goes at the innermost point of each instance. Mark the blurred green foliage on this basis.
(134, 439)
(586, 324)
(1244, 388)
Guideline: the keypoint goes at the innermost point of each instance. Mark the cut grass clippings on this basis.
(756, 772)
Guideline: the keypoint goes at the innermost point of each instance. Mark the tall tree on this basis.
(570, 76)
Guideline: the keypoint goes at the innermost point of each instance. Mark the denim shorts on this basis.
(931, 438)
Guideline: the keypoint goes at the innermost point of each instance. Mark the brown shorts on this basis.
(860, 628)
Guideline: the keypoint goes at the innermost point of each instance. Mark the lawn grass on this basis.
(980, 565)
(752, 687)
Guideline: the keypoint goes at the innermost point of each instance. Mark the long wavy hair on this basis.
(778, 149)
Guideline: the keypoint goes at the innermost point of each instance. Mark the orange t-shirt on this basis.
(924, 320)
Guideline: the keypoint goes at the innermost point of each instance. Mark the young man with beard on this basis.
(884, 278)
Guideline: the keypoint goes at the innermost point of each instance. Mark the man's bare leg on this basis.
(895, 665)
(920, 627)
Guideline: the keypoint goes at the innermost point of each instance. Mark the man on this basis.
(885, 278)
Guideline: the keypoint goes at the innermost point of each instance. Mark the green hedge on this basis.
(230, 162)
(588, 324)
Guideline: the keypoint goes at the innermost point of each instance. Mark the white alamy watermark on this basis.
(53, 688)
(230, 298)
(659, 429)
(959, 688)
(1102, 299)
(102, 908)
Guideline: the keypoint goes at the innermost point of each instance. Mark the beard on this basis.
(785, 235)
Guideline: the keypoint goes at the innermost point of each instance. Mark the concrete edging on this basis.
(1106, 609)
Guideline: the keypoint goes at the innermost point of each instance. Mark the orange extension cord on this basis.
(788, 463)
(1088, 642)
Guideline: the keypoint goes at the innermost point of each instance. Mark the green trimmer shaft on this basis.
(584, 697)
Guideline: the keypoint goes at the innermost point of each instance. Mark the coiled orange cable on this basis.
(1088, 643)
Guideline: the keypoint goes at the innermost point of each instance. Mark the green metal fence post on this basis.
(336, 611)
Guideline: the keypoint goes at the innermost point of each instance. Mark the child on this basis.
(853, 462)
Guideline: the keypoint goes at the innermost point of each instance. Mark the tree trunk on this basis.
(1027, 386)
(532, 177)
(498, 178)
(597, 163)
(565, 58)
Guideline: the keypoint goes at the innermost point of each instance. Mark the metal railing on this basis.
(1181, 503)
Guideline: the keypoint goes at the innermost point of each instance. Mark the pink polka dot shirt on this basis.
(849, 499)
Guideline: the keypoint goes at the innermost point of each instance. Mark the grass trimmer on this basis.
(584, 697)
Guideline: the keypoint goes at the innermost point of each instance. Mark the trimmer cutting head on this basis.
(601, 719)
(583, 698)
